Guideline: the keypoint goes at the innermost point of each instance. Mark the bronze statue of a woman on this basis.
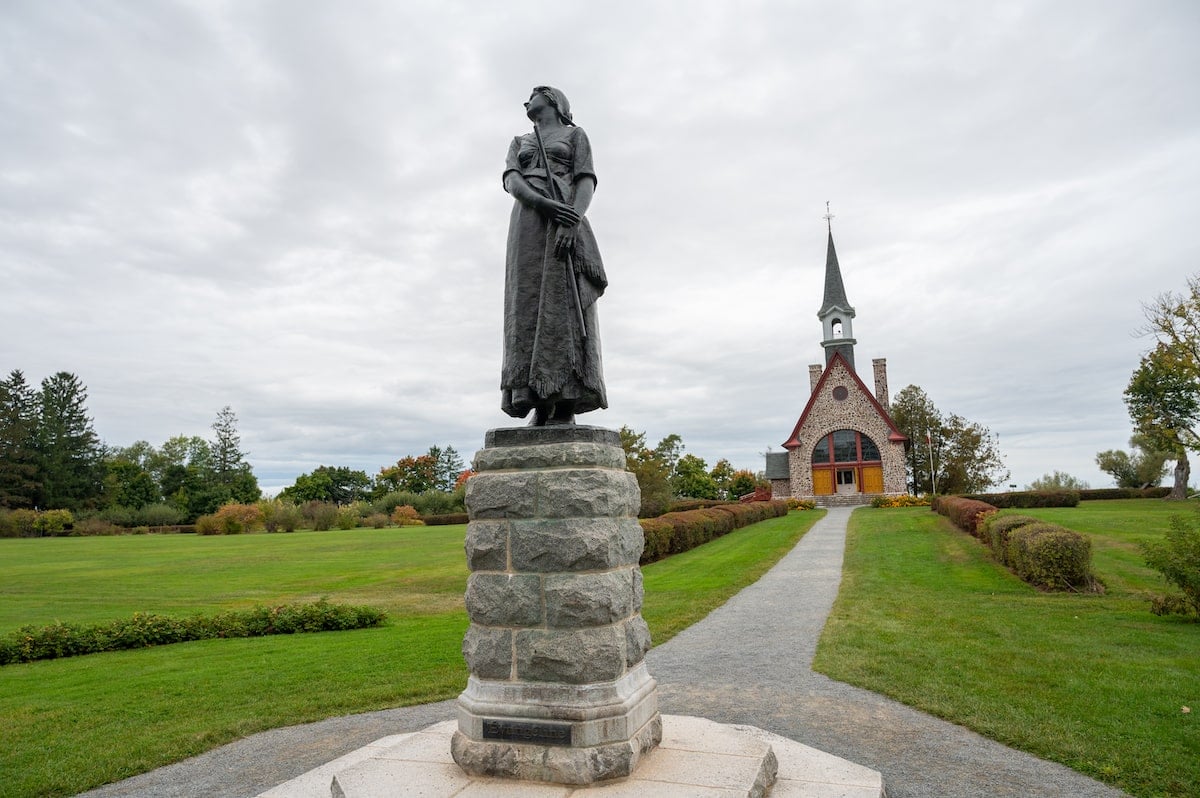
(553, 272)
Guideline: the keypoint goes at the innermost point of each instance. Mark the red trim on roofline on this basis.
(895, 436)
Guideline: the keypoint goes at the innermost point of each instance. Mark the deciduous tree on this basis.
(652, 470)
(1059, 480)
(1163, 395)
(691, 478)
(965, 455)
(1145, 467)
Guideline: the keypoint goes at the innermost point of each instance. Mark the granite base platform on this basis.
(697, 758)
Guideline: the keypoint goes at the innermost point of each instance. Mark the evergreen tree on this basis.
(68, 447)
(231, 475)
(20, 478)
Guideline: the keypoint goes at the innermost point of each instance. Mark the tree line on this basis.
(52, 458)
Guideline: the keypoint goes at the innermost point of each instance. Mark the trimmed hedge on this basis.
(445, 519)
(1028, 498)
(1051, 557)
(675, 532)
(31, 643)
(964, 513)
(1101, 494)
(997, 528)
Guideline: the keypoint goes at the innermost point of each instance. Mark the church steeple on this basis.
(836, 314)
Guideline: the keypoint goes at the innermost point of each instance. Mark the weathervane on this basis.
(828, 217)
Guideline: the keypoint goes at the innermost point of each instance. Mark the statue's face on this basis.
(537, 101)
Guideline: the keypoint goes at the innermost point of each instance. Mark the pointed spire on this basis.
(835, 291)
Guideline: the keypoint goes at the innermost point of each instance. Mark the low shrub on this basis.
(901, 500)
(20, 523)
(1028, 498)
(445, 519)
(116, 514)
(52, 523)
(160, 515)
(1177, 558)
(406, 515)
(280, 516)
(89, 527)
(30, 643)
(348, 517)
(321, 515)
(800, 504)
(1051, 557)
(964, 513)
(377, 520)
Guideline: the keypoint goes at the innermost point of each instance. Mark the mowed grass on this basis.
(72, 724)
(1098, 683)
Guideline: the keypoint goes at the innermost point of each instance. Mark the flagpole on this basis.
(932, 473)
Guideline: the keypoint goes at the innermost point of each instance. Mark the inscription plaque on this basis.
(519, 731)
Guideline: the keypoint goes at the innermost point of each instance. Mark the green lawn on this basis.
(925, 615)
(68, 725)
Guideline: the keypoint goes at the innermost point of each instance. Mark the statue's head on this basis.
(557, 99)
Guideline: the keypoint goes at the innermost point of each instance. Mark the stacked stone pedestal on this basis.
(558, 689)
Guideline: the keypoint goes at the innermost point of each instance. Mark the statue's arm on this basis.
(562, 214)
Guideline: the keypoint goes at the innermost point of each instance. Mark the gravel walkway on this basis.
(748, 662)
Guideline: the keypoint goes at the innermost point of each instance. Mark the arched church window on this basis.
(821, 451)
(845, 449)
(845, 446)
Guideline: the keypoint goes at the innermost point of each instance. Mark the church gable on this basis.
(840, 400)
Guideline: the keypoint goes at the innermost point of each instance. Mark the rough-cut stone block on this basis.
(577, 544)
(637, 640)
(505, 599)
(639, 589)
(574, 656)
(561, 456)
(587, 493)
(562, 765)
(502, 495)
(540, 436)
(575, 601)
(487, 545)
(488, 652)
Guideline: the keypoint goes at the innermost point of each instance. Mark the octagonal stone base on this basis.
(558, 691)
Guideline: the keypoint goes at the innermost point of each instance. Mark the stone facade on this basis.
(558, 689)
(858, 410)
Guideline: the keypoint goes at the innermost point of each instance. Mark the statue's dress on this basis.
(547, 357)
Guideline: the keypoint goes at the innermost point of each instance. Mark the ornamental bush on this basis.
(1051, 557)
(1177, 558)
(902, 500)
(406, 515)
(18, 523)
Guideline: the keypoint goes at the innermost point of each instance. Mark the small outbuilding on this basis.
(845, 448)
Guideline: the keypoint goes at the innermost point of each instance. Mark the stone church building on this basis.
(845, 449)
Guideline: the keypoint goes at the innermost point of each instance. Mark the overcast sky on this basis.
(295, 209)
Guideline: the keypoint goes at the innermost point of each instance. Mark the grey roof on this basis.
(777, 465)
(835, 292)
